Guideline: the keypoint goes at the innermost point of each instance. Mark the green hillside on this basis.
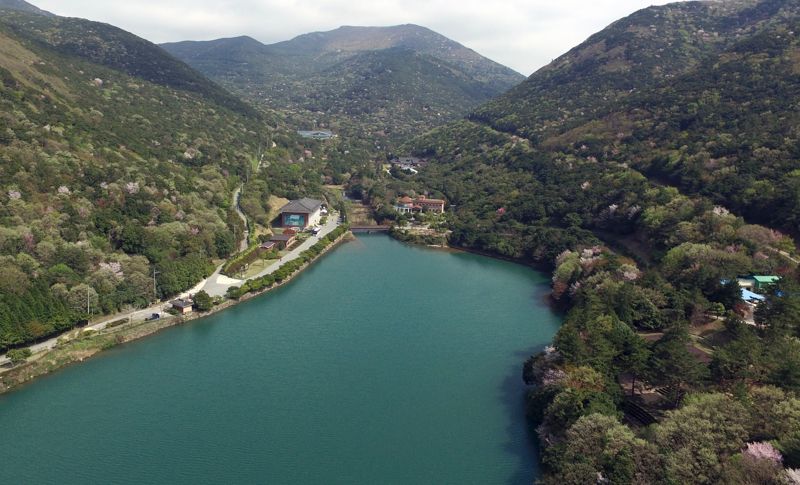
(116, 160)
(370, 82)
(639, 166)
(701, 95)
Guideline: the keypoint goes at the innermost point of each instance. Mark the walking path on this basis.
(246, 236)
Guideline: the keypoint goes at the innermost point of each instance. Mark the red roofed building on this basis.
(407, 205)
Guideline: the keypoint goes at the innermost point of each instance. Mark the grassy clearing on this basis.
(359, 214)
(257, 267)
(275, 204)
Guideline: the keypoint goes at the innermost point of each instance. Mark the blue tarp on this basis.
(748, 295)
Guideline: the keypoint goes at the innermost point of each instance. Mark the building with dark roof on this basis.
(283, 241)
(182, 306)
(301, 213)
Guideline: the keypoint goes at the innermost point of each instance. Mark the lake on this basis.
(383, 363)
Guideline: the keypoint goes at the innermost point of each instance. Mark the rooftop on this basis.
(766, 279)
(304, 205)
(181, 303)
(429, 201)
(318, 134)
(748, 295)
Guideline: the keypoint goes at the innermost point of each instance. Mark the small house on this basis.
(762, 283)
(183, 306)
(283, 241)
(267, 246)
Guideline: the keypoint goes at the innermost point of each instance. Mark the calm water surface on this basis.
(382, 364)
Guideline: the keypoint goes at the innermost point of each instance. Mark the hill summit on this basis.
(23, 6)
(397, 80)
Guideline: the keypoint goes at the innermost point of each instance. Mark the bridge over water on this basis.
(369, 229)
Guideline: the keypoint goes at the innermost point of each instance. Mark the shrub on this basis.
(18, 356)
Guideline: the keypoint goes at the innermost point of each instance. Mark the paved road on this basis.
(218, 284)
(215, 285)
(333, 223)
(136, 315)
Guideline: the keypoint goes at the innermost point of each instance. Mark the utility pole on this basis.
(88, 311)
(155, 288)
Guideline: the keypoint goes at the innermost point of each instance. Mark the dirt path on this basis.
(246, 236)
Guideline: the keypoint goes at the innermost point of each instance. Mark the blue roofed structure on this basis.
(749, 296)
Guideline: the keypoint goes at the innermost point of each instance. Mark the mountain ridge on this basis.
(23, 6)
(323, 74)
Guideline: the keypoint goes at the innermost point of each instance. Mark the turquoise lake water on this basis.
(381, 364)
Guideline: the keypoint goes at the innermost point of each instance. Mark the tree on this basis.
(81, 296)
(224, 243)
(18, 356)
(783, 363)
(132, 239)
(780, 313)
(673, 365)
(633, 357)
(728, 293)
(600, 446)
(203, 302)
(740, 359)
(696, 439)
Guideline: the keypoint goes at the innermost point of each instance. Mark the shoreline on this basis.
(415, 241)
(547, 298)
(82, 347)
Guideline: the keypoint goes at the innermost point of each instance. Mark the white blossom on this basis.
(721, 211)
(132, 187)
(114, 268)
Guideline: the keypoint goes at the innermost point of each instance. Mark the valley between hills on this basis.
(653, 171)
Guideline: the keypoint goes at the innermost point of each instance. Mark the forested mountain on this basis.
(703, 96)
(115, 160)
(395, 81)
(638, 165)
(23, 6)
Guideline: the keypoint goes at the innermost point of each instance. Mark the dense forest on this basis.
(639, 167)
(116, 162)
(702, 96)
